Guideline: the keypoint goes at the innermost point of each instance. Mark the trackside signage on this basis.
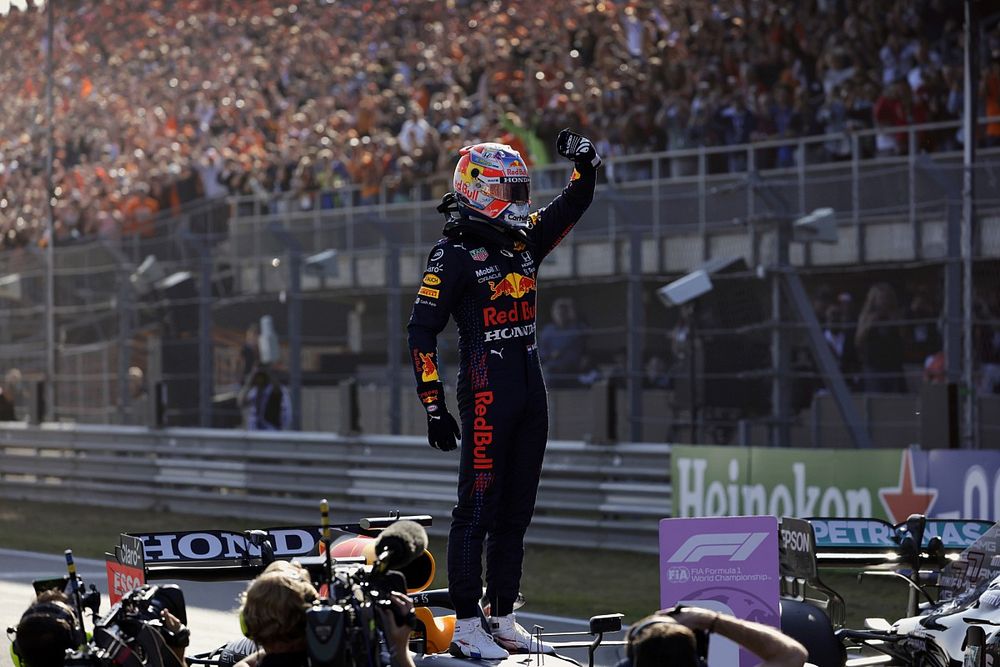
(887, 484)
(726, 564)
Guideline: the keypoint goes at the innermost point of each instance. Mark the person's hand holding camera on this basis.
(176, 635)
(695, 618)
(398, 621)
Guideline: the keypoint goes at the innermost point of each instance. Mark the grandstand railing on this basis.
(590, 496)
(690, 191)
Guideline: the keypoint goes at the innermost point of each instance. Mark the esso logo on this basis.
(123, 583)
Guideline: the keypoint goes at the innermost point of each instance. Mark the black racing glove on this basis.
(577, 148)
(442, 429)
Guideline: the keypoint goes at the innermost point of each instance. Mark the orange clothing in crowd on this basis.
(992, 86)
(139, 212)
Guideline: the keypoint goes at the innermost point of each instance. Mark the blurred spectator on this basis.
(890, 112)
(924, 339)
(250, 352)
(838, 330)
(655, 374)
(138, 411)
(986, 344)
(879, 341)
(990, 90)
(562, 344)
(267, 403)
(935, 368)
(8, 395)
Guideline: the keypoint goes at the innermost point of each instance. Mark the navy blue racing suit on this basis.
(486, 280)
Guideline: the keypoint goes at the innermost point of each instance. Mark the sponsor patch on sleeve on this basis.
(428, 368)
(428, 292)
(431, 279)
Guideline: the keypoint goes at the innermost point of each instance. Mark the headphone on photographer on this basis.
(636, 630)
(39, 611)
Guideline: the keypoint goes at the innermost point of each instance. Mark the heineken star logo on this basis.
(907, 498)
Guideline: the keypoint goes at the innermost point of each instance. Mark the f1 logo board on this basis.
(727, 564)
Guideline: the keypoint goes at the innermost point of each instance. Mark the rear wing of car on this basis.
(954, 547)
(876, 544)
(226, 555)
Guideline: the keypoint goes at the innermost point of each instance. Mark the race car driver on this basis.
(483, 273)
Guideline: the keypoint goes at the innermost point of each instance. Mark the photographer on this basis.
(274, 615)
(51, 626)
(47, 629)
(670, 637)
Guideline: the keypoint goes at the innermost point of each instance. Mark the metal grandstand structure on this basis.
(221, 264)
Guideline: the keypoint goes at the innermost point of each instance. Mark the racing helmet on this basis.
(492, 184)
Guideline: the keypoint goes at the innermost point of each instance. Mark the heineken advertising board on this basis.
(883, 483)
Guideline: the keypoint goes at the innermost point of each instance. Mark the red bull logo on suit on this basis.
(513, 285)
(482, 432)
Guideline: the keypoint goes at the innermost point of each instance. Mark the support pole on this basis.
(971, 81)
(50, 255)
(206, 376)
(780, 394)
(828, 366)
(125, 309)
(295, 334)
(294, 305)
(394, 320)
(636, 331)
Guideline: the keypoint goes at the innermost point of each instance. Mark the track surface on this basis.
(210, 606)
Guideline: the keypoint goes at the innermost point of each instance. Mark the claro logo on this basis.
(735, 546)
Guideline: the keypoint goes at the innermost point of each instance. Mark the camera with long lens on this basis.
(132, 633)
(342, 627)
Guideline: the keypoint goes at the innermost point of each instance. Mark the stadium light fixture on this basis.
(686, 288)
(323, 263)
(146, 275)
(820, 226)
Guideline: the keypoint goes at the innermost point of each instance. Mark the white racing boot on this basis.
(471, 640)
(516, 639)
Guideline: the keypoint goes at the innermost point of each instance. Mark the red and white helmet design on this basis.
(492, 183)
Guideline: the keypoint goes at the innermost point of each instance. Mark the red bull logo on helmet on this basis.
(513, 284)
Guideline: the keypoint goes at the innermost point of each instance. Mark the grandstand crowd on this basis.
(160, 102)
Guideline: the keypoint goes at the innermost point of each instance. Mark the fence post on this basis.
(751, 207)
(800, 164)
(656, 212)
(702, 212)
(911, 164)
(124, 346)
(393, 319)
(295, 334)
(206, 367)
(635, 333)
(859, 231)
(801, 169)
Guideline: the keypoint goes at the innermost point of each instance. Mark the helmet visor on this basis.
(512, 192)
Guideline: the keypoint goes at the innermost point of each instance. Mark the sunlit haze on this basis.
(6, 5)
